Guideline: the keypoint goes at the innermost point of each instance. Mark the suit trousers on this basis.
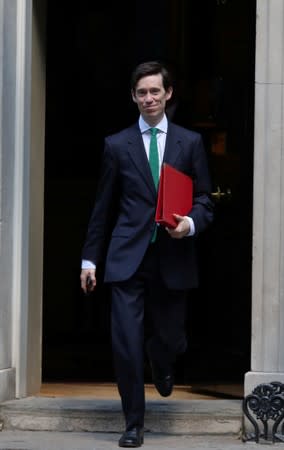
(144, 310)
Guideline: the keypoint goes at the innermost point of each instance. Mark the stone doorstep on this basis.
(98, 415)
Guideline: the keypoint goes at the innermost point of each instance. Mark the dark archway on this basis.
(91, 50)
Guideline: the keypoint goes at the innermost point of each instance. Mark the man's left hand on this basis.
(182, 229)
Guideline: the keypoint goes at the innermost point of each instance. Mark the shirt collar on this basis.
(162, 125)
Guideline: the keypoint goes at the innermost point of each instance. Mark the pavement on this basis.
(79, 423)
(42, 440)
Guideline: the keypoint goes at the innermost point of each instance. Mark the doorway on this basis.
(91, 50)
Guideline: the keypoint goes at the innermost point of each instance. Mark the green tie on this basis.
(154, 165)
(154, 156)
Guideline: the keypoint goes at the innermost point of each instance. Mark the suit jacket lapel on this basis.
(138, 155)
(173, 147)
(139, 158)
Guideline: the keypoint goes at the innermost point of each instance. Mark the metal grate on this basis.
(264, 408)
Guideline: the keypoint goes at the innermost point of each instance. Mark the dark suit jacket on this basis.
(126, 202)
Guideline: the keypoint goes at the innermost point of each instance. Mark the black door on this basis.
(90, 53)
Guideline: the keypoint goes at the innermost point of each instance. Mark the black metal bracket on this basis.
(264, 408)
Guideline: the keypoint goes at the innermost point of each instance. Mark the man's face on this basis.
(151, 98)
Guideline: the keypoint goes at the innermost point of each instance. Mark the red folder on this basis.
(174, 196)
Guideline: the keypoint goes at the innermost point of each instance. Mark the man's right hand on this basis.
(85, 273)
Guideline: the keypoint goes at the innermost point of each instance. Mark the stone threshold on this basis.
(104, 415)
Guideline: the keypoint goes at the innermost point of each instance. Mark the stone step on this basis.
(104, 415)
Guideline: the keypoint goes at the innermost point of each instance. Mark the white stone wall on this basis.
(267, 358)
(8, 14)
(22, 125)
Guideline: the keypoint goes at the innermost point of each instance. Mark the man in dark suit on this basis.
(150, 269)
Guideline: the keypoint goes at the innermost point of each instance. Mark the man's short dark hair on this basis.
(151, 68)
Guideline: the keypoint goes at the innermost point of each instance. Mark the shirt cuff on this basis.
(87, 264)
(191, 226)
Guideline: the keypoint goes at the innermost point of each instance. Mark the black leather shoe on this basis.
(132, 438)
(163, 380)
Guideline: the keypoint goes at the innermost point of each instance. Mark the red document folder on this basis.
(174, 196)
